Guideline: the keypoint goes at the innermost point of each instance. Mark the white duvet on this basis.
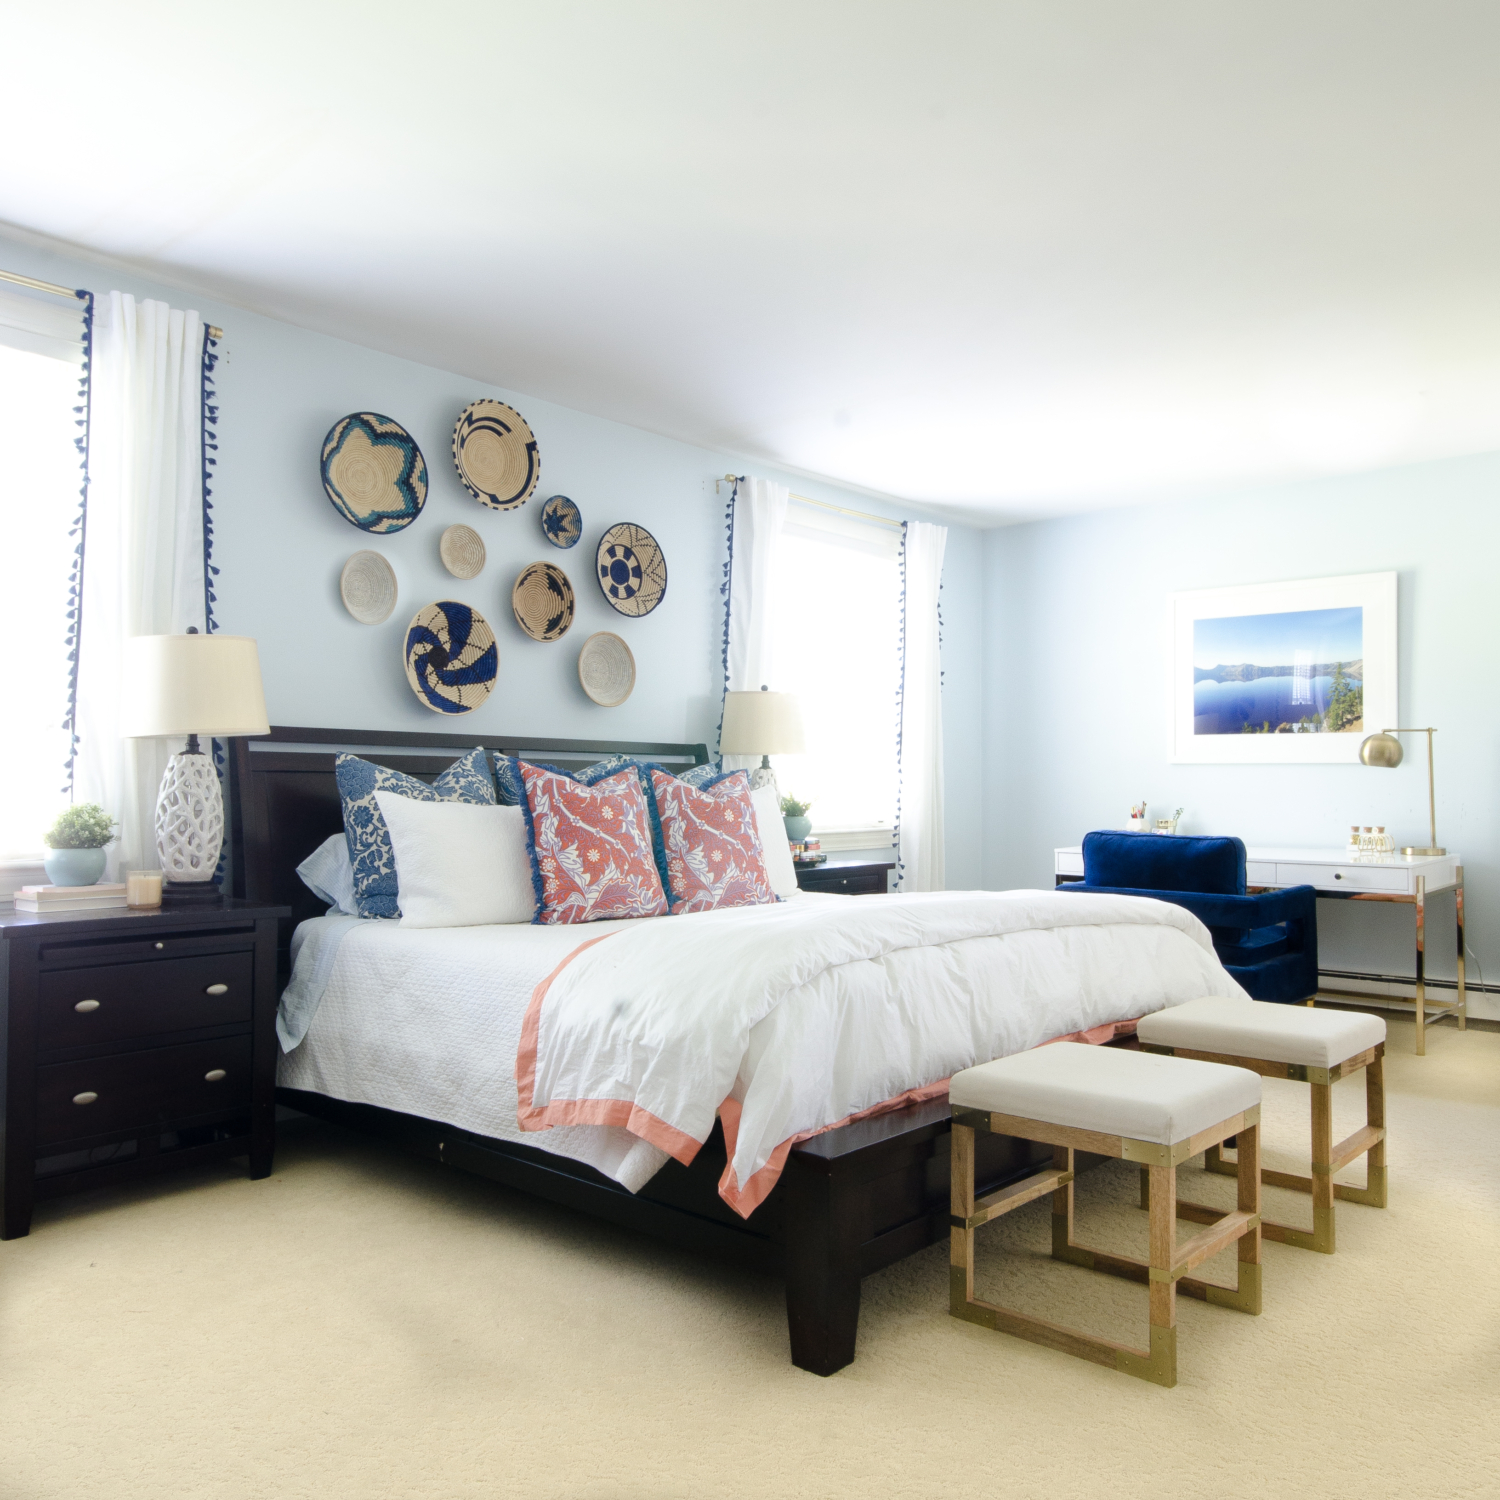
(786, 1019)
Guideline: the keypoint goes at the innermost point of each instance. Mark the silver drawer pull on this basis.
(85, 1006)
(87, 1097)
(215, 1075)
(217, 989)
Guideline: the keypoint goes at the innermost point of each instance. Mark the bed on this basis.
(405, 1061)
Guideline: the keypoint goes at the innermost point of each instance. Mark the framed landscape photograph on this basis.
(1283, 672)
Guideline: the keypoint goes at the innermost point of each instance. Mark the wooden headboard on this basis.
(284, 801)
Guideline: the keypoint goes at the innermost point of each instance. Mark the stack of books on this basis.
(69, 897)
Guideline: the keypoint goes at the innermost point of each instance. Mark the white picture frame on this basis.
(1317, 623)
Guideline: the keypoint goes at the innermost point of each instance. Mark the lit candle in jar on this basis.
(143, 888)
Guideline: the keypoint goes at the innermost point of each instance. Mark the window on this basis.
(838, 647)
(40, 357)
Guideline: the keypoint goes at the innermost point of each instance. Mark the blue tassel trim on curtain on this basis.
(724, 590)
(900, 712)
(79, 529)
(209, 446)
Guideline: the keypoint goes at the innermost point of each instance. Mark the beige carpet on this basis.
(361, 1325)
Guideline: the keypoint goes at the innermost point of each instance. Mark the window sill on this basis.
(836, 840)
(18, 870)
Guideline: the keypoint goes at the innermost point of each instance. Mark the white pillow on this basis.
(328, 874)
(458, 864)
(773, 840)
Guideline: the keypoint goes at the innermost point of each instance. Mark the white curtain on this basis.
(143, 548)
(759, 513)
(920, 853)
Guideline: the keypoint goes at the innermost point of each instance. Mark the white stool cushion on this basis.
(1135, 1094)
(1270, 1033)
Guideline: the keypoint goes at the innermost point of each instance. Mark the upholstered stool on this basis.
(1316, 1047)
(1154, 1110)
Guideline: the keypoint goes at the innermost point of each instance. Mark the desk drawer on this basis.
(139, 1089)
(79, 1007)
(1350, 877)
(858, 883)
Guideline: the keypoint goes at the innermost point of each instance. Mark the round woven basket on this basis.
(451, 657)
(367, 586)
(632, 572)
(495, 454)
(373, 472)
(606, 669)
(462, 551)
(562, 522)
(543, 601)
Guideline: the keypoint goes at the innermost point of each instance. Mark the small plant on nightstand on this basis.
(76, 843)
(795, 819)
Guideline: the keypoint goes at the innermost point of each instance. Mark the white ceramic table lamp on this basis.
(763, 724)
(190, 685)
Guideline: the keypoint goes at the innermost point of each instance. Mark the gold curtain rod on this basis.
(843, 510)
(67, 291)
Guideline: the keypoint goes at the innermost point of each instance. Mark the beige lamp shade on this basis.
(762, 724)
(193, 684)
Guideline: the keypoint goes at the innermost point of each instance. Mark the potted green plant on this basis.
(76, 844)
(795, 819)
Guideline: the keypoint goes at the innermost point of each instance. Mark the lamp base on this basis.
(189, 823)
(191, 893)
(1409, 850)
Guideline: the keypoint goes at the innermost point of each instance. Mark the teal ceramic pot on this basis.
(797, 829)
(74, 866)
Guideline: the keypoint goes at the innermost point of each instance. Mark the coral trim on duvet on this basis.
(681, 1146)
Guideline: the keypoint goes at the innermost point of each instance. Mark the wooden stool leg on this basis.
(1062, 1209)
(1373, 1193)
(1160, 1366)
(1249, 1203)
(961, 1241)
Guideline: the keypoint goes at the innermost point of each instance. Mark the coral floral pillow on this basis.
(590, 847)
(713, 848)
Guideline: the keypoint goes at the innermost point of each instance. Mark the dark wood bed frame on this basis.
(850, 1201)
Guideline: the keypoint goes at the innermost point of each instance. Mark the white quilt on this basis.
(805, 1014)
(792, 1016)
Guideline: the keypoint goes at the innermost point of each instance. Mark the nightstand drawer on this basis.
(81, 1006)
(136, 1089)
(858, 883)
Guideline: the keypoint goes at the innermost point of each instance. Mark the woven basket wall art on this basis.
(451, 657)
(462, 551)
(606, 669)
(367, 586)
(543, 601)
(562, 522)
(632, 572)
(495, 454)
(373, 472)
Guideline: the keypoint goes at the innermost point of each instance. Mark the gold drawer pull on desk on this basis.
(87, 1097)
(215, 1075)
(85, 1006)
(217, 989)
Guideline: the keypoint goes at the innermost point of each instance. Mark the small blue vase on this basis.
(797, 829)
(74, 866)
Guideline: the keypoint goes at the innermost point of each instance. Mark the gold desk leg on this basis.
(1458, 902)
(1421, 988)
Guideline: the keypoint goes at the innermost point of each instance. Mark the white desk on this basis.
(1406, 880)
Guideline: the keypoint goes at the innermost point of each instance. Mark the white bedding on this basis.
(798, 1014)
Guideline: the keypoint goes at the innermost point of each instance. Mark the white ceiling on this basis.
(1016, 259)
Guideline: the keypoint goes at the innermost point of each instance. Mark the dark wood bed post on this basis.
(850, 1201)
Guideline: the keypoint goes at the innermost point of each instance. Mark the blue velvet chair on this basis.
(1268, 942)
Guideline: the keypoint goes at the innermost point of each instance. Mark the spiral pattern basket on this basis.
(451, 657)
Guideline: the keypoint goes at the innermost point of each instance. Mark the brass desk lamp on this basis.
(1384, 749)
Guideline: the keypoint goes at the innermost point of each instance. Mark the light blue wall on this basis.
(281, 545)
(1077, 691)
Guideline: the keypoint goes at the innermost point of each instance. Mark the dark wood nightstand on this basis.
(849, 877)
(135, 1041)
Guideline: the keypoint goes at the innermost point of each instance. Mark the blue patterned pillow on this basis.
(370, 852)
(513, 794)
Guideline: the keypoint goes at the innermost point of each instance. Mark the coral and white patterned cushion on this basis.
(590, 847)
(370, 852)
(512, 793)
(713, 849)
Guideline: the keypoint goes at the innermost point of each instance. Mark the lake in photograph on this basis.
(1291, 672)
